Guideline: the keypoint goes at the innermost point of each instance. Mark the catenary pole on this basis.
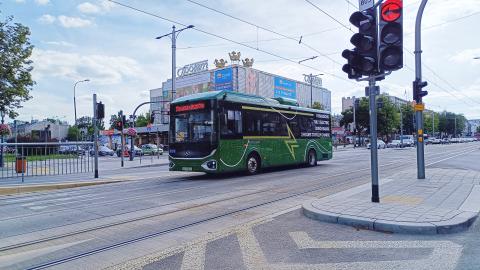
(95, 135)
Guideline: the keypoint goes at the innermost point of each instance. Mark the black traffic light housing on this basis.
(152, 117)
(391, 35)
(364, 57)
(100, 110)
(418, 93)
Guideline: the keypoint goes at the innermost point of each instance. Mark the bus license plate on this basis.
(188, 169)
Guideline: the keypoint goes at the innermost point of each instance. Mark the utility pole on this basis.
(95, 135)
(433, 124)
(354, 122)
(132, 138)
(418, 93)
(1, 140)
(173, 36)
(401, 127)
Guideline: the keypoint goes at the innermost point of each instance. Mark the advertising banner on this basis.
(284, 88)
(223, 79)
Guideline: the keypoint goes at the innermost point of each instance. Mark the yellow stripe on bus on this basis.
(272, 110)
(264, 137)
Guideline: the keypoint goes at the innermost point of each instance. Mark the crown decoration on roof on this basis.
(234, 56)
(220, 63)
(248, 62)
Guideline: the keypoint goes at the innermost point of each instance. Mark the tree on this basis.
(361, 116)
(428, 119)
(73, 133)
(142, 120)
(478, 129)
(408, 119)
(85, 122)
(388, 118)
(317, 105)
(15, 68)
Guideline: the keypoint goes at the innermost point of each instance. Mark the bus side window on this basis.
(252, 123)
(232, 123)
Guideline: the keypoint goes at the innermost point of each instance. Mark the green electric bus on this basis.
(224, 131)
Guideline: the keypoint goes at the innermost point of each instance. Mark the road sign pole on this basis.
(372, 92)
(418, 78)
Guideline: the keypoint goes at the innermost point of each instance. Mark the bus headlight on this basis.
(210, 165)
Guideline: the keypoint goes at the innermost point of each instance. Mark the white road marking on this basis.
(194, 257)
(444, 256)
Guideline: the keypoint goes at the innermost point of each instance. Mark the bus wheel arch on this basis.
(253, 162)
(311, 157)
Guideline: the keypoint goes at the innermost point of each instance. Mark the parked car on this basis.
(394, 144)
(151, 149)
(435, 141)
(138, 151)
(103, 151)
(380, 144)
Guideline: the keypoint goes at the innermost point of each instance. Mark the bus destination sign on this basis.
(190, 107)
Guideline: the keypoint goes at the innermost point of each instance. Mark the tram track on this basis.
(297, 193)
(131, 198)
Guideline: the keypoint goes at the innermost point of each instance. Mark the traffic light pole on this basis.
(418, 78)
(95, 135)
(372, 93)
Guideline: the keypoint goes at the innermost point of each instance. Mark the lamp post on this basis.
(74, 99)
(476, 58)
(173, 36)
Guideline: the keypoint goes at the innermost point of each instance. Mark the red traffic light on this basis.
(391, 10)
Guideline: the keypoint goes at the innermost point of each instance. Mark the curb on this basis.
(38, 188)
(459, 223)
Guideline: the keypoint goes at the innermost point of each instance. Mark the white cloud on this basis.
(59, 43)
(42, 2)
(73, 22)
(101, 69)
(89, 8)
(47, 19)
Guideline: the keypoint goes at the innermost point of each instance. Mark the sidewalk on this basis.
(447, 201)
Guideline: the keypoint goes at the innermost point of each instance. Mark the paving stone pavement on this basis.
(407, 205)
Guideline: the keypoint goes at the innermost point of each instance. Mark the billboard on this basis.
(223, 79)
(284, 88)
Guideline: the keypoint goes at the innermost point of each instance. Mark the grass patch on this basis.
(11, 157)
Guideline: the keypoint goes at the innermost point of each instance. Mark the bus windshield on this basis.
(194, 126)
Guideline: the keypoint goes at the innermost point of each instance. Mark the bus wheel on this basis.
(253, 164)
(312, 158)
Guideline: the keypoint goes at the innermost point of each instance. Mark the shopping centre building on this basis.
(196, 77)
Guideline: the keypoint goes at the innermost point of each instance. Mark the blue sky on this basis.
(115, 48)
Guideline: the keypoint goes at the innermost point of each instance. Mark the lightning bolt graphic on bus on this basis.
(291, 143)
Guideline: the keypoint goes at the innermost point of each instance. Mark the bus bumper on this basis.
(194, 165)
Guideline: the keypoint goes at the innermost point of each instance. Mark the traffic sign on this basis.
(365, 4)
(391, 10)
(419, 107)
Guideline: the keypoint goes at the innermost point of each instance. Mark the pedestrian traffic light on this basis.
(363, 59)
(100, 110)
(418, 93)
(119, 125)
(152, 117)
(391, 35)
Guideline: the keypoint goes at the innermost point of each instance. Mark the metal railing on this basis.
(37, 159)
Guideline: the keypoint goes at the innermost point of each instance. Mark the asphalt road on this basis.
(230, 218)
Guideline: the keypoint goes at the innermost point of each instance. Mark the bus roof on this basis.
(241, 98)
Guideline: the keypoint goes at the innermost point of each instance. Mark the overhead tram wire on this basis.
(330, 16)
(230, 40)
(267, 29)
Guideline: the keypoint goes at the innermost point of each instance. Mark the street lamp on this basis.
(477, 58)
(74, 101)
(173, 36)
